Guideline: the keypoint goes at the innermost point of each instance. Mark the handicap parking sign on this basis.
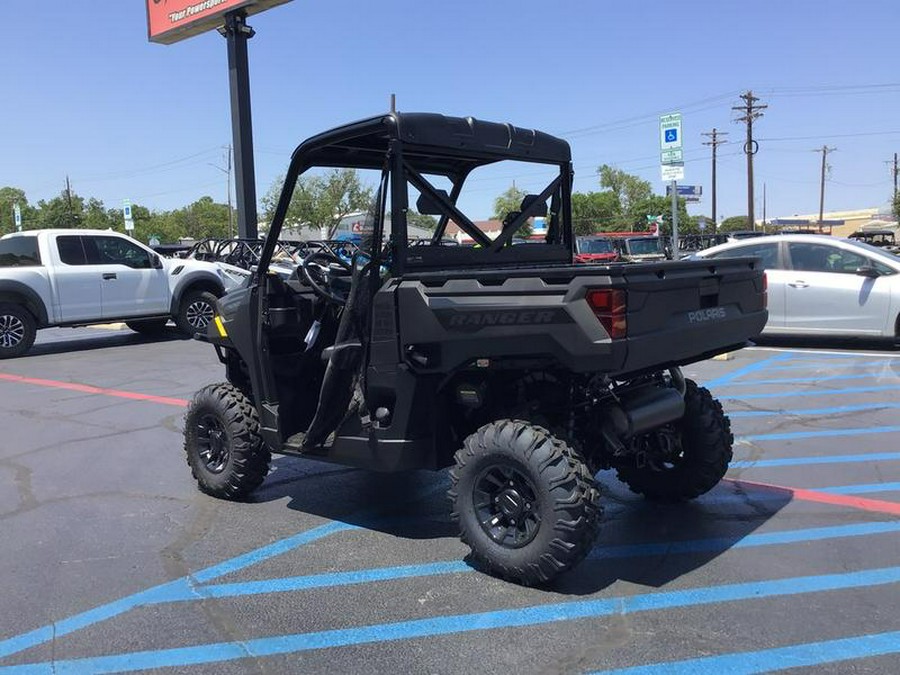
(671, 135)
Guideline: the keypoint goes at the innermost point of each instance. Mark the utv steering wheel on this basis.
(317, 269)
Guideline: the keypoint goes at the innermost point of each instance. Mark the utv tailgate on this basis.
(676, 313)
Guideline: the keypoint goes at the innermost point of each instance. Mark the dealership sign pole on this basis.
(169, 21)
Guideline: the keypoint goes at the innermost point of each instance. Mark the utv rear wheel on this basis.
(222, 442)
(686, 459)
(525, 501)
(17, 330)
(195, 312)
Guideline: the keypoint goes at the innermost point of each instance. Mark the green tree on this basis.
(321, 201)
(9, 197)
(422, 220)
(734, 223)
(594, 211)
(509, 201)
(97, 217)
(629, 190)
(896, 206)
(63, 211)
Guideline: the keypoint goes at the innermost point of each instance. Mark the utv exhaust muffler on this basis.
(642, 410)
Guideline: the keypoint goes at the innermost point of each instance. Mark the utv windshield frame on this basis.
(412, 146)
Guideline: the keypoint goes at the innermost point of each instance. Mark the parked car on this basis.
(824, 285)
(79, 277)
(641, 249)
(595, 249)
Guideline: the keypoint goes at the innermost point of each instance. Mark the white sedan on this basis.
(822, 285)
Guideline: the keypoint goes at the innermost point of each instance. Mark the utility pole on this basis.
(764, 208)
(715, 142)
(751, 112)
(824, 150)
(895, 176)
(68, 203)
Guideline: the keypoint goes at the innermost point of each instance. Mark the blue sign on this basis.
(671, 135)
(686, 190)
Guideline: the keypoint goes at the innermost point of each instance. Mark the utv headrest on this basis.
(431, 207)
(528, 201)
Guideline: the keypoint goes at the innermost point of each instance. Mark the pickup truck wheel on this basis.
(686, 459)
(148, 326)
(195, 312)
(526, 503)
(224, 449)
(17, 330)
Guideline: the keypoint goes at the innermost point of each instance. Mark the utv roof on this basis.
(436, 143)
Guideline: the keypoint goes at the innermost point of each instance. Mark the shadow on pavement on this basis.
(104, 339)
(842, 344)
(646, 543)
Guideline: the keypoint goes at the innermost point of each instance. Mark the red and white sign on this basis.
(169, 21)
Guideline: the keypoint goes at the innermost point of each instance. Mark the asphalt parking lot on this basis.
(112, 561)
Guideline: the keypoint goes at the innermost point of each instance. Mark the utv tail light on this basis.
(765, 285)
(609, 307)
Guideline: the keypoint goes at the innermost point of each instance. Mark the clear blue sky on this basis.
(85, 93)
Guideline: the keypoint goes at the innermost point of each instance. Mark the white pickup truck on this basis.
(79, 277)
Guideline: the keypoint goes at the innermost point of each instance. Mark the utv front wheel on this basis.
(525, 501)
(685, 459)
(222, 442)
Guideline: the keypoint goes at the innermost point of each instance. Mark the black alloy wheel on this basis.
(212, 443)
(505, 504)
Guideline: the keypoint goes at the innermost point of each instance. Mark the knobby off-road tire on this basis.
(148, 326)
(706, 449)
(525, 501)
(224, 449)
(196, 310)
(17, 330)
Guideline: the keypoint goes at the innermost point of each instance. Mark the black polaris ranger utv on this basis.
(524, 372)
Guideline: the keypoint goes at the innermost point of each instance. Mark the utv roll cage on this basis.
(408, 147)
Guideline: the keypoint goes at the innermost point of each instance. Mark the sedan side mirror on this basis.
(868, 271)
(156, 262)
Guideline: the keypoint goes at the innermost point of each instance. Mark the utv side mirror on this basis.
(431, 207)
(155, 262)
(868, 271)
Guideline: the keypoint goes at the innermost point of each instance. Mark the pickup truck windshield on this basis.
(19, 252)
(595, 246)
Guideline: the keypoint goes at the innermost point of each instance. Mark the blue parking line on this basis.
(818, 412)
(746, 370)
(158, 594)
(463, 623)
(811, 364)
(364, 576)
(304, 583)
(802, 380)
(744, 541)
(779, 658)
(824, 433)
(860, 489)
(821, 459)
(821, 392)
